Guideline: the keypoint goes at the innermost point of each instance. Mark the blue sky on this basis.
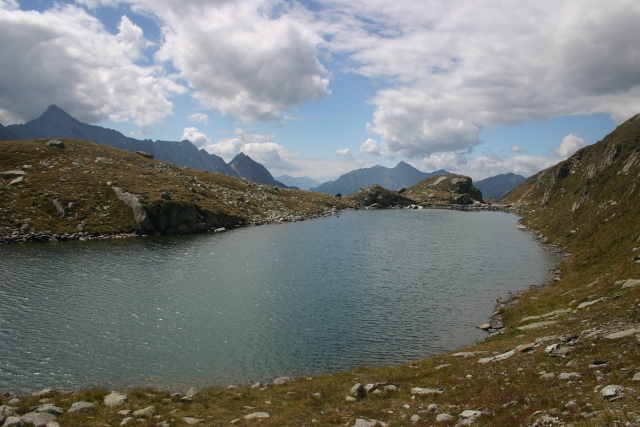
(322, 88)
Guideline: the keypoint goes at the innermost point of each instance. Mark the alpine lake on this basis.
(375, 287)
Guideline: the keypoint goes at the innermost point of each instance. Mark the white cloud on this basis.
(569, 145)
(198, 139)
(259, 147)
(370, 147)
(344, 152)
(199, 118)
(451, 69)
(517, 149)
(65, 56)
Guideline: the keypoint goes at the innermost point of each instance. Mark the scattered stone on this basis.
(350, 399)
(470, 414)
(82, 407)
(13, 422)
(318, 395)
(525, 347)
(405, 406)
(42, 392)
(126, 421)
(17, 181)
(147, 412)
(358, 390)
(165, 196)
(589, 303)
(433, 408)
(537, 325)
(415, 418)
(191, 420)
(484, 326)
(115, 399)
(611, 391)
(636, 377)
(189, 394)
(12, 174)
(13, 402)
(38, 419)
(50, 408)
(390, 387)
(257, 384)
(369, 423)
(55, 143)
(630, 283)
(571, 405)
(499, 357)
(124, 412)
(623, 334)
(256, 415)
(53, 424)
(440, 418)
(426, 391)
(466, 354)
(442, 366)
(145, 154)
(546, 376)
(545, 339)
(281, 380)
(568, 375)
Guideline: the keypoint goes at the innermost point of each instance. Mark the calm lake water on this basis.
(367, 288)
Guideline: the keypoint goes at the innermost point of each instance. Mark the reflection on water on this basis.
(370, 287)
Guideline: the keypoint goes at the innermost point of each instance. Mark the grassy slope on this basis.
(79, 173)
(511, 392)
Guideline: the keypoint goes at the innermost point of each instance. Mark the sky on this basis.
(318, 88)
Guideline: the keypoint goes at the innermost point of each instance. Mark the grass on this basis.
(509, 392)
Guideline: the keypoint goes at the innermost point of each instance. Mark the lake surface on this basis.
(367, 288)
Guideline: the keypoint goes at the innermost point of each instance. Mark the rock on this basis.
(13, 402)
(440, 418)
(191, 421)
(38, 419)
(589, 303)
(50, 408)
(426, 391)
(115, 399)
(571, 405)
(444, 365)
(8, 411)
(369, 423)
(350, 399)
(126, 421)
(415, 418)
(525, 347)
(358, 390)
(537, 325)
(189, 394)
(12, 174)
(390, 387)
(82, 407)
(484, 327)
(636, 377)
(17, 181)
(147, 412)
(623, 334)
(281, 380)
(165, 196)
(55, 143)
(502, 356)
(568, 375)
(145, 154)
(547, 375)
(433, 408)
(470, 414)
(13, 422)
(611, 391)
(630, 283)
(124, 412)
(42, 392)
(256, 415)
(53, 424)
(466, 354)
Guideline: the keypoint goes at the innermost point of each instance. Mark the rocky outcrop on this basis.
(445, 189)
(378, 197)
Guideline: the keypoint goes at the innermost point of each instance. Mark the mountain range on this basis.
(499, 186)
(301, 182)
(56, 123)
(403, 175)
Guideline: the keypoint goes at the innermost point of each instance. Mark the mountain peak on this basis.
(55, 112)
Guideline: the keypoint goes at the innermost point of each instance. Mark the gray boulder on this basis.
(115, 399)
(8, 411)
(50, 408)
(38, 419)
(13, 422)
(281, 380)
(82, 407)
(55, 143)
(611, 391)
(147, 412)
(358, 390)
(12, 174)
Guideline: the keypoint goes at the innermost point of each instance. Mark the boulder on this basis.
(426, 391)
(256, 415)
(12, 174)
(358, 390)
(611, 391)
(8, 411)
(50, 408)
(38, 419)
(369, 423)
(18, 180)
(191, 420)
(13, 422)
(145, 154)
(115, 399)
(55, 143)
(147, 412)
(82, 407)
(441, 418)
(281, 380)
(189, 394)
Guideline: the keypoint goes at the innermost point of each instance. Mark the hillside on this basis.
(302, 182)
(248, 168)
(565, 353)
(497, 187)
(81, 186)
(402, 175)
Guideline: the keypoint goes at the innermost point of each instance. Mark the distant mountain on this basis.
(499, 186)
(6, 133)
(247, 168)
(302, 182)
(401, 176)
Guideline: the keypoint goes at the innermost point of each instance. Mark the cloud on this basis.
(449, 70)
(344, 152)
(569, 145)
(198, 139)
(370, 147)
(487, 164)
(199, 118)
(517, 149)
(257, 146)
(65, 56)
